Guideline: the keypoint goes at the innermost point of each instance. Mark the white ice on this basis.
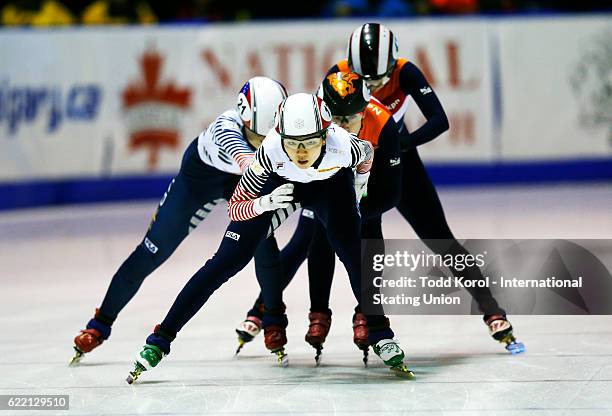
(55, 265)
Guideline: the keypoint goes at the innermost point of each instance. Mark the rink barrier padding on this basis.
(83, 190)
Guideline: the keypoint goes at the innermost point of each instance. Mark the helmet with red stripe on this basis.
(257, 103)
(302, 116)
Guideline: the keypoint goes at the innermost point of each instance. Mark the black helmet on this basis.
(345, 93)
(372, 51)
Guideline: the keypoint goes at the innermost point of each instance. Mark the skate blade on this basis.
(402, 371)
(319, 349)
(241, 343)
(282, 358)
(512, 345)
(78, 356)
(133, 376)
(244, 337)
(515, 347)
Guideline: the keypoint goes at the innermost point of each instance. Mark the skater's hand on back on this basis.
(361, 185)
(281, 197)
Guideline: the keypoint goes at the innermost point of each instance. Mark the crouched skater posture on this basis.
(373, 53)
(305, 161)
(209, 173)
(353, 109)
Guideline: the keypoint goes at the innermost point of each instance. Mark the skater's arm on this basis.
(413, 82)
(385, 181)
(246, 202)
(241, 206)
(362, 155)
(230, 139)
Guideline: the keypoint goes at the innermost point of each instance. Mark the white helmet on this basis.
(302, 115)
(257, 103)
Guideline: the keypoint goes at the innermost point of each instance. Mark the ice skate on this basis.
(85, 342)
(97, 330)
(276, 339)
(247, 331)
(392, 355)
(317, 332)
(501, 330)
(360, 335)
(146, 359)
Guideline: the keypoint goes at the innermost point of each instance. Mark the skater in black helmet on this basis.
(373, 53)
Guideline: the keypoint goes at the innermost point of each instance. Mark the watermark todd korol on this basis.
(526, 277)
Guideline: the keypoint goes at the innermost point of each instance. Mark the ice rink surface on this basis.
(55, 265)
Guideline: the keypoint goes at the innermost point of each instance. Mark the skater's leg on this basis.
(191, 195)
(275, 271)
(372, 243)
(421, 207)
(189, 198)
(236, 250)
(321, 265)
(296, 250)
(169, 226)
(292, 255)
(342, 223)
(269, 272)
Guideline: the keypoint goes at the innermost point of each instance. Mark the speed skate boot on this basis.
(501, 330)
(380, 337)
(392, 355)
(275, 336)
(360, 335)
(248, 329)
(157, 347)
(97, 331)
(317, 331)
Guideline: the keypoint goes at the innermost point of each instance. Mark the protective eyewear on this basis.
(308, 144)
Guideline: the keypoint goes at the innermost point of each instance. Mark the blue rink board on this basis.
(120, 188)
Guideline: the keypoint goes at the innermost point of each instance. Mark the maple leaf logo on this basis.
(154, 109)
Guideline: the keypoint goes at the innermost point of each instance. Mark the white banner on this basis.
(115, 101)
(557, 88)
(91, 102)
(453, 55)
(71, 101)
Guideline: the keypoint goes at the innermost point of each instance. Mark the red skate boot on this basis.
(360, 335)
(317, 331)
(98, 329)
(275, 338)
